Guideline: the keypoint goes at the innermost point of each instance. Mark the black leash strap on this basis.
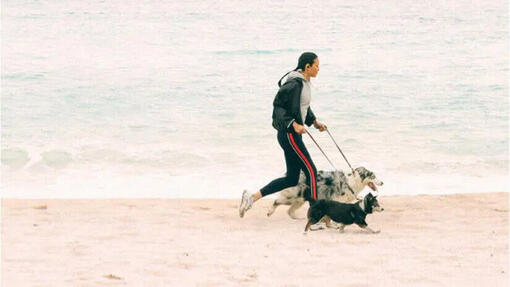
(340, 150)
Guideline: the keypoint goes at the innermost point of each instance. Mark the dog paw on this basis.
(294, 216)
(316, 228)
(298, 218)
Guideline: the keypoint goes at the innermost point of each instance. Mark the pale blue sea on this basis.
(174, 99)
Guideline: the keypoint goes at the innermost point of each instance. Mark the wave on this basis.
(263, 52)
(171, 161)
(14, 158)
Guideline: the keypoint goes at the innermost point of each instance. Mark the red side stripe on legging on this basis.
(308, 165)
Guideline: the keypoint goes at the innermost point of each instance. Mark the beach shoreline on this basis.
(435, 240)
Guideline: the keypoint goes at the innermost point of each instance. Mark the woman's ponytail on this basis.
(280, 81)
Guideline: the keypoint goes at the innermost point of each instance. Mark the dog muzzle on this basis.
(377, 208)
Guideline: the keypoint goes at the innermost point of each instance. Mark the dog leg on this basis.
(286, 197)
(370, 230)
(295, 206)
(307, 227)
(272, 208)
(315, 229)
(341, 228)
(327, 220)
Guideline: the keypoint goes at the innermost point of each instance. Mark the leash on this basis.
(340, 150)
(352, 191)
(321, 150)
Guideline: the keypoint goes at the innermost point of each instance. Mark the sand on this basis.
(454, 240)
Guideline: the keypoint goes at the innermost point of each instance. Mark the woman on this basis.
(291, 110)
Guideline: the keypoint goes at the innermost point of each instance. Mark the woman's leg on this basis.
(296, 141)
(291, 178)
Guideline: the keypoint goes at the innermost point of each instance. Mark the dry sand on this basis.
(454, 240)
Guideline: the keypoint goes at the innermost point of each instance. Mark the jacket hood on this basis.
(295, 74)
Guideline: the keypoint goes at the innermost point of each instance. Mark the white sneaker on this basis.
(246, 203)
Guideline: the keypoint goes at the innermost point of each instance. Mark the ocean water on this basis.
(143, 99)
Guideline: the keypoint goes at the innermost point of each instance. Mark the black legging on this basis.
(297, 158)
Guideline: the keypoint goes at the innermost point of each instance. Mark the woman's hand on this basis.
(320, 126)
(300, 129)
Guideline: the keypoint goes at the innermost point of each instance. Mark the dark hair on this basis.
(305, 58)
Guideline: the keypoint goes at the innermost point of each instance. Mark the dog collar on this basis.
(362, 205)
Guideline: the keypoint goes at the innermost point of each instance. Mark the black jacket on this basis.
(286, 106)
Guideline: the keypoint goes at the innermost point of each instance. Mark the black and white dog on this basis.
(343, 213)
(331, 185)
